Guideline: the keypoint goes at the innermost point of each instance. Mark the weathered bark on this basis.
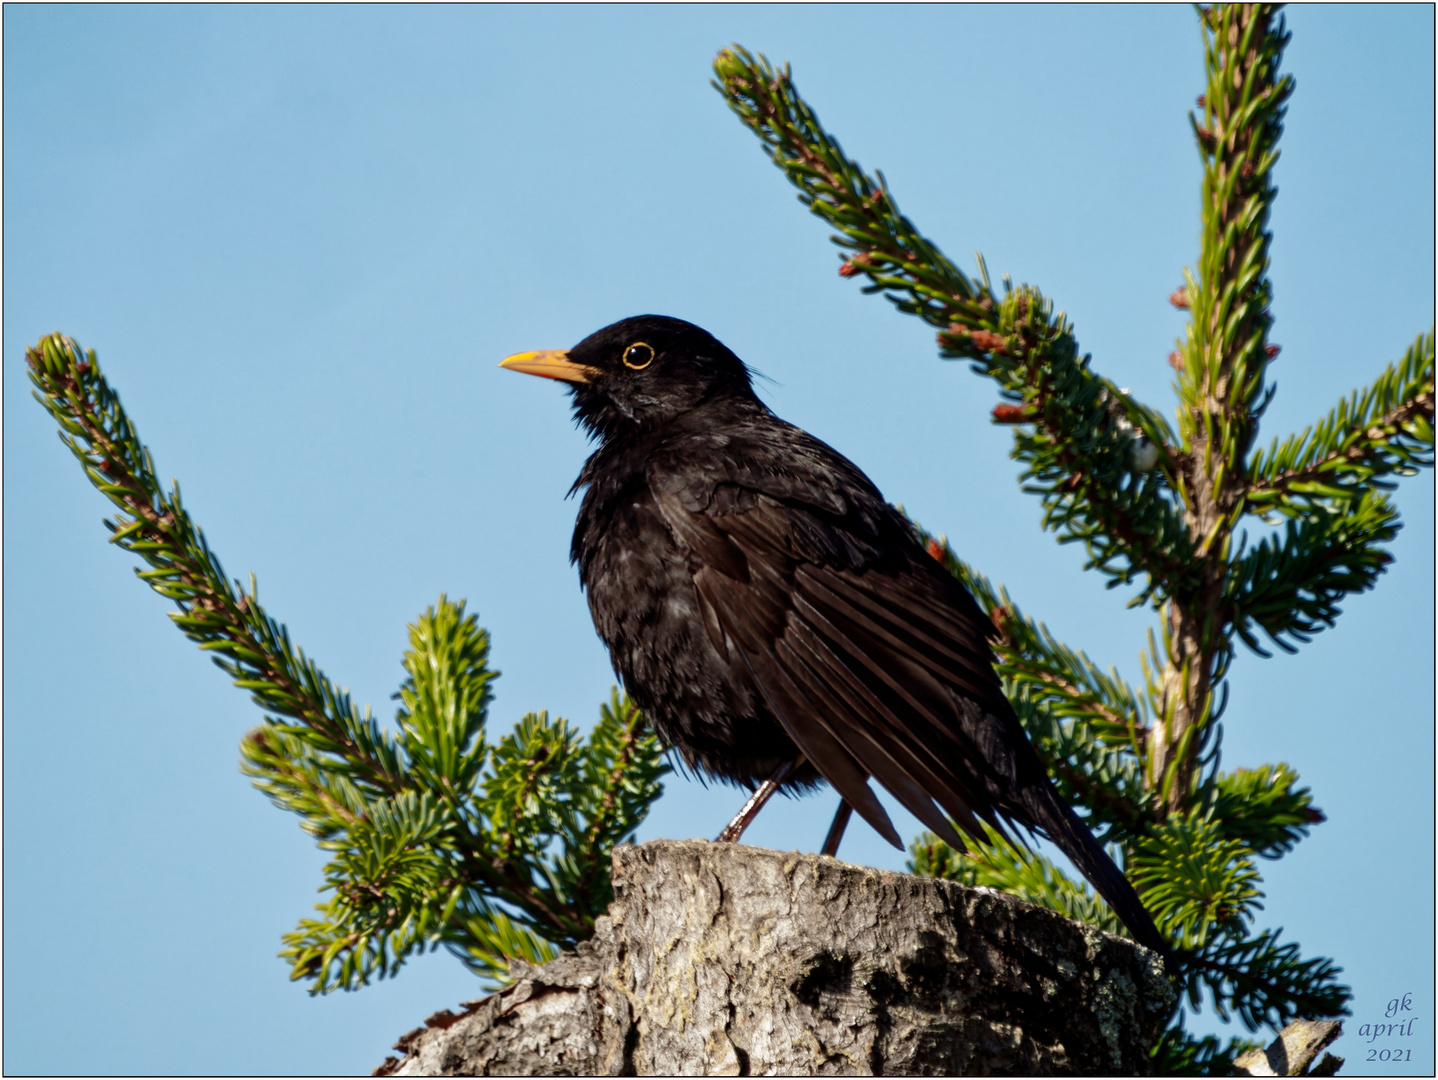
(732, 960)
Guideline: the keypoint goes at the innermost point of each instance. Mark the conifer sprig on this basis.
(437, 836)
(1264, 809)
(1373, 434)
(1071, 684)
(254, 650)
(1180, 1054)
(1221, 381)
(1265, 982)
(1289, 585)
(999, 864)
(1100, 461)
(889, 251)
(1198, 884)
(1088, 726)
(1223, 363)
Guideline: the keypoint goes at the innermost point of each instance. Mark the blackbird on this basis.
(777, 621)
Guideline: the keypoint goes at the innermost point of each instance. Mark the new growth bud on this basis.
(988, 341)
(728, 66)
(1009, 414)
(1179, 297)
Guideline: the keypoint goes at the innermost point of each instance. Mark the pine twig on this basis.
(1385, 429)
(425, 846)
(1088, 454)
(250, 647)
(1224, 360)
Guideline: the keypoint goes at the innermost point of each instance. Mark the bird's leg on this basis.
(762, 794)
(836, 830)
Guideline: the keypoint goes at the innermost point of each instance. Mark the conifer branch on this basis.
(436, 837)
(1088, 453)
(999, 864)
(1072, 684)
(629, 784)
(1106, 782)
(1180, 1054)
(246, 644)
(1224, 359)
(1197, 884)
(1289, 586)
(890, 252)
(1265, 983)
(1264, 809)
(489, 939)
(1382, 430)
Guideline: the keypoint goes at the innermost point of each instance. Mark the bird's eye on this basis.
(639, 355)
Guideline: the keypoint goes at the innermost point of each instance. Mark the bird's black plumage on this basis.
(761, 599)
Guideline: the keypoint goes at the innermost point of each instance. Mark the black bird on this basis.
(777, 621)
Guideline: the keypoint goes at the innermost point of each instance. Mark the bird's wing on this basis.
(863, 647)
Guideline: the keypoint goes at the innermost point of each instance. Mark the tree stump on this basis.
(725, 959)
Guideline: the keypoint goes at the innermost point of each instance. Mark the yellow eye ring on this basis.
(639, 355)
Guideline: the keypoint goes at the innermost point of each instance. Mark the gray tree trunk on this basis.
(725, 959)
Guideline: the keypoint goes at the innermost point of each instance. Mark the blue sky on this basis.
(302, 237)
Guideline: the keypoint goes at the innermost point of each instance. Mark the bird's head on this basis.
(640, 373)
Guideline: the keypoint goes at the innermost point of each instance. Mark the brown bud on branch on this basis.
(988, 341)
(1010, 414)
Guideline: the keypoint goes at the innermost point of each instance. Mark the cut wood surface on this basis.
(726, 959)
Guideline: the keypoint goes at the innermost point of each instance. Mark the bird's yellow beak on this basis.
(549, 364)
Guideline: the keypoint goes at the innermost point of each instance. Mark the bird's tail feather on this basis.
(1058, 821)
